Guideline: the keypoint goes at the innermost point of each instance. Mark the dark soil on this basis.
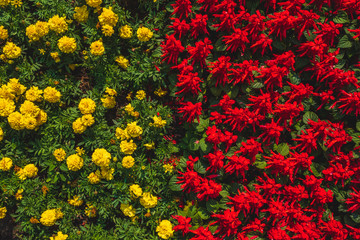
(7, 228)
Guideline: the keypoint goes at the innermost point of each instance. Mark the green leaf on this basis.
(194, 144)
(283, 149)
(203, 146)
(198, 167)
(344, 42)
(216, 91)
(310, 115)
(358, 126)
(313, 168)
(173, 185)
(341, 17)
(257, 85)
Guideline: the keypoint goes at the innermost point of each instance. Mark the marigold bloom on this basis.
(5, 164)
(58, 24)
(125, 32)
(144, 34)
(123, 62)
(74, 162)
(127, 147)
(165, 230)
(87, 106)
(3, 212)
(59, 236)
(93, 3)
(81, 14)
(147, 200)
(67, 44)
(101, 157)
(135, 191)
(3, 33)
(108, 17)
(11, 51)
(59, 154)
(97, 48)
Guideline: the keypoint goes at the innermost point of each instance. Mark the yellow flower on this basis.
(81, 14)
(29, 108)
(3, 211)
(127, 210)
(5, 92)
(133, 130)
(5, 164)
(97, 48)
(87, 120)
(135, 191)
(128, 162)
(127, 147)
(125, 32)
(59, 236)
(159, 92)
(30, 170)
(158, 122)
(168, 168)
(107, 173)
(11, 51)
(52, 95)
(41, 117)
(93, 3)
(58, 24)
(42, 51)
(4, 3)
(74, 162)
(110, 91)
(101, 157)
(107, 30)
(49, 217)
(55, 56)
(15, 87)
(78, 126)
(16, 121)
(1, 134)
(108, 101)
(165, 229)
(123, 62)
(129, 109)
(150, 145)
(75, 201)
(30, 122)
(7, 107)
(147, 200)
(3, 33)
(18, 194)
(33, 220)
(94, 178)
(87, 106)
(34, 94)
(59, 154)
(144, 34)
(67, 44)
(36, 31)
(21, 174)
(140, 94)
(121, 134)
(80, 151)
(16, 3)
(108, 17)
(90, 211)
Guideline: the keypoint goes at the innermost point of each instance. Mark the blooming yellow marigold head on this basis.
(125, 32)
(147, 200)
(108, 17)
(128, 161)
(74, 162)
(144, 34)
(67, 44)
(165, 229)
(127, 147)
(52, 95)
(97, 48)
(59, 154)
(11, 51)
(101, 157)
(5, 164)
(3, 33)
(58, 24)
(87, 106)
(81, 14)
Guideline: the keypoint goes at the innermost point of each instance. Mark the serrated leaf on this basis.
(358, 126)
(173, 184)
(344, 42)
(257, 85)
(203, 146)
(198, 167)
(341, 17)
(310, 115)
(314, 170)
(194, 144)
(283, 149)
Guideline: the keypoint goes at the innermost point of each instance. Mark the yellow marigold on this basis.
(16, 121)
(107, 30)
(1, 134)
(147, 200)
(3, 211)
(165, 229)
(7, 107)
(30, 122)
(129, 109)
(74, 162)
(87, 106)
(128, 162)
(158, 122)
(49, 217)
(93, 3)
(125, 32)
(59, 236)
(127, 147)
(59, 154)
(30, 170)
(87, 120)
(94, 178)
(41, 117)
(80, 151)
(75, 201)
(127, 210)
(144, 34)
(135, 191)
(55, 56)
(21, 174)
(133, 130)
(5, 164)
(168, 168)
(42, 28)
(101, 157)
(52, 95)
(5, 92)
(107, 173)
(97, 48)
(29, 108)
(159, 92)
(122, 62)
(3, 33)
(34, 220)
(108, 102)
(67, 45)
(150, 145)
(18, 194)
(90, 211)
(140, 94)
(121, 134)
(108, 17)
(78, 126)
(58, 24)
(31, 33)
(34, 94)
(15, 87)
(110, 91)
(11, 51)
(4, 3)
(81, 14)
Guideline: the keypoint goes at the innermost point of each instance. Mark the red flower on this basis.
(356, 31)
(171, 49)
(244, 71)
(219, 70)
(273, 76)
(200, 52)
(251, 148)
(214, 136)
(305, 20)
(190, 179)
(207, 5)
(203, 234)
(337, 172)
(180, 27)
(269, 186)
(189, 82)
(262, 103)
(228, 222)
(328, 32)
(350, 102)
(198, 25)
(208, 189)
(262, 41)
(183, 224)
(237, 165)
(181, 8)
(333, 229)
(256, 24)
(278, 164)
(225, 103)
(247, 202)
(236, 40)
(215, 160)
(288, 111)
(238, 118)
(307, 141)
(298, 92)
(354, 201)
(190, 111)
(313, 48)
(280, 22)
(287, 59)
(228, 19)
(270, 131)
(337, 137)
(277, 234)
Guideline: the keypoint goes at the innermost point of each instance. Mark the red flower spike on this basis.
(198, 25)
(228, 222)
(171, 49)
(190, 83)
(236, 40)
(350, 102)
(183, 224)
(271, 131)
(180, 27)
(273, 76)
(237, 165)
(219, 70)
(181, 8)
(243, 71)
(261, 42)
(329, 31)
(203, 234)
(280, 22)
(190, 111)
(200, 52)
(216, 161)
